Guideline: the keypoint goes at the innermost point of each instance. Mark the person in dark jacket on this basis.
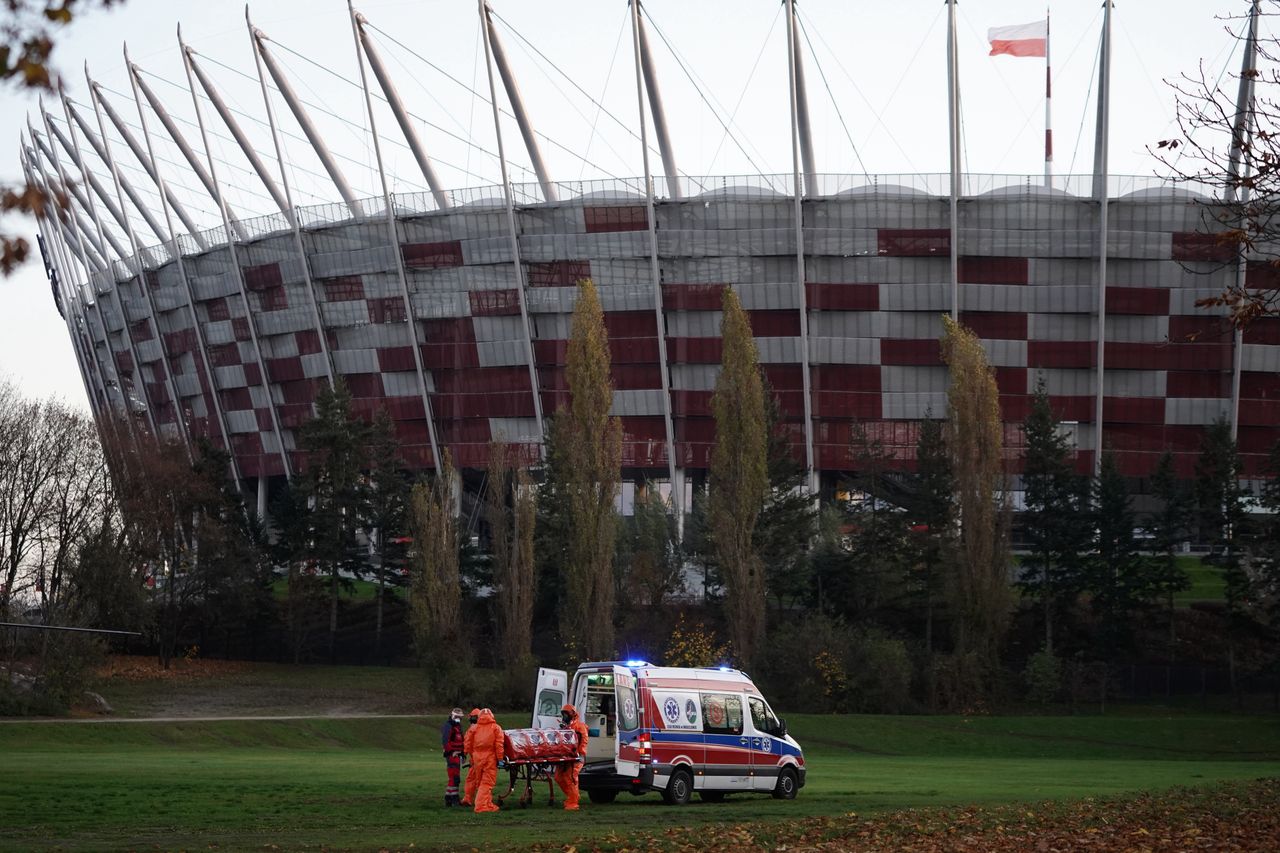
(451, 745)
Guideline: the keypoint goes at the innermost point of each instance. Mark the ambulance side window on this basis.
(628, 710)
(762, 718)
(549, 702)
(721, 714)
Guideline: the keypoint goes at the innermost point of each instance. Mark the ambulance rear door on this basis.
(628, 705)
(549, 696)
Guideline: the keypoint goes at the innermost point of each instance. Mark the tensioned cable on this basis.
(574, 107)
(689, 75)
(742, 95)
(1085, 112)
(605, 88)
(485, 99)
(601, 107)
(827, 85)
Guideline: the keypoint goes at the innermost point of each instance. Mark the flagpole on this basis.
(1048, 94)
(953, 135)
(1100, 173)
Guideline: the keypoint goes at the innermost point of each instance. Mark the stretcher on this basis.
(534, 755)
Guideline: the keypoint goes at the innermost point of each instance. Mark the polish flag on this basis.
(1020, 39)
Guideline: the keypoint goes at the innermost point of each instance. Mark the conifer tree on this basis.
(388, 497)
(1168, 528)
(934, 511)
(739, 478)
(1055, 517)
(1119, 578)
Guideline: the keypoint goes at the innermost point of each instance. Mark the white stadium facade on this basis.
(451, 309)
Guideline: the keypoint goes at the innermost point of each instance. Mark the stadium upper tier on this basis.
(449, 324)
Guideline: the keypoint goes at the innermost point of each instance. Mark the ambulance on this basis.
(675, 730)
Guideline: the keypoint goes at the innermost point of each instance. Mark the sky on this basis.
(876, 77)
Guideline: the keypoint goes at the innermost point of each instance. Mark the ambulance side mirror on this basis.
(782, 728)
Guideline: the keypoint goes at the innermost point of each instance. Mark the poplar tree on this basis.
(435, 593)
(591, 442)
(510, 511)
(739, 478)
(980, 596)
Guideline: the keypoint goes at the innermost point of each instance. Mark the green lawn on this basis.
(1207, 583)
(354, 589)
(365, 784)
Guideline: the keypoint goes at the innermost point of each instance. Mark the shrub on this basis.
(1043, 676)
(694, 645)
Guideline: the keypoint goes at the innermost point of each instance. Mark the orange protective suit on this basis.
(567, 774)
(486, 750)
(473, 778)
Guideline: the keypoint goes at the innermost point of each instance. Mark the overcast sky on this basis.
(876, 75)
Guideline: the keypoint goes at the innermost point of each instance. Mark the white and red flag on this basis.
(1020, 39)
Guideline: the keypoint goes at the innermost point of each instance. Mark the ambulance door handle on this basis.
(742, 741)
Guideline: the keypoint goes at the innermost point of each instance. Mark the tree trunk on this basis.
(333, 614)
(382, 577)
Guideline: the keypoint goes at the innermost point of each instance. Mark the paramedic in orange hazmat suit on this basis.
(473, 777)
(486, 751)
(567, 774)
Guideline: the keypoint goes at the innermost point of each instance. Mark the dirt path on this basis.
(206, 719)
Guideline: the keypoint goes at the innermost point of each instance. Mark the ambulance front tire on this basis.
(788, 785)
(679, 789)
(602, 798)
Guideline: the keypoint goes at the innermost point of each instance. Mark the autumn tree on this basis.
(511, 513)
(435, 592)
(589, 445)
(979, 593)
(739, 478)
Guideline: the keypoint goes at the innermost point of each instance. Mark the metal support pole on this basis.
(96, 144)
(514, 237)
(289, 211)
(78, 195)
(54, 132)
(802, 295)
(234, 126)
(801, 99)
(665, 148)
(1239, 167)
(953, 143)
(233, 256)
(402, 117)
(109, 280)
(304, 120)
(202, 345)
(394, 234)
(88, 272)
(1100, 174)
(655, 271)
(135, 75)
(141, 278)
(99, 100)
(493, 48)
(1048, 95)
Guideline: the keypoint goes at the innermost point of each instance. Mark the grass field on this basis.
(371, 783)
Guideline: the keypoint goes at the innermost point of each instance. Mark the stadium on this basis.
(451, 308)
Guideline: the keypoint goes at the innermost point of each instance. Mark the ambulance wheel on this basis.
(787, 785)
(712, 796)
(602, 798)
(679, 789)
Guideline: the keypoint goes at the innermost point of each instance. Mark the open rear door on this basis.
(628, 711)
(548, 697)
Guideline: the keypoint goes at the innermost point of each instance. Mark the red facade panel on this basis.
(775, 323)
(483, 380)
(924, 351)
(1260, 412)
(432, 255)
(365, 384)
(550, 352)
(847, 404)
(693, 297)
(347, 288)
(558, 273)
(1133, 410)
(217, 309)
(1061, 354)
(494, 303)
(396, 359)
(633, 377)
(446, 356)
(913, 242)
(983, 270)
(236, 399)
(1199, 328)
(1259, 386)
(1153, 301)
(1197, 383)
(1262, 275)
(691, 403)
(308, 342)
(449, 329)
(1196, 246)
(284, 369)
(603, 218)
(633, 350)
(273, 299)
(386, 309)
(996, 325)
(783, 377)
(240, 328)
(263, 276)
(845, 377)
(695, 350)
(1011, 380)
(1264, 330)
(827, 296)
(630, 324)
(252, 374)
(1123, 355)
(224, 355)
